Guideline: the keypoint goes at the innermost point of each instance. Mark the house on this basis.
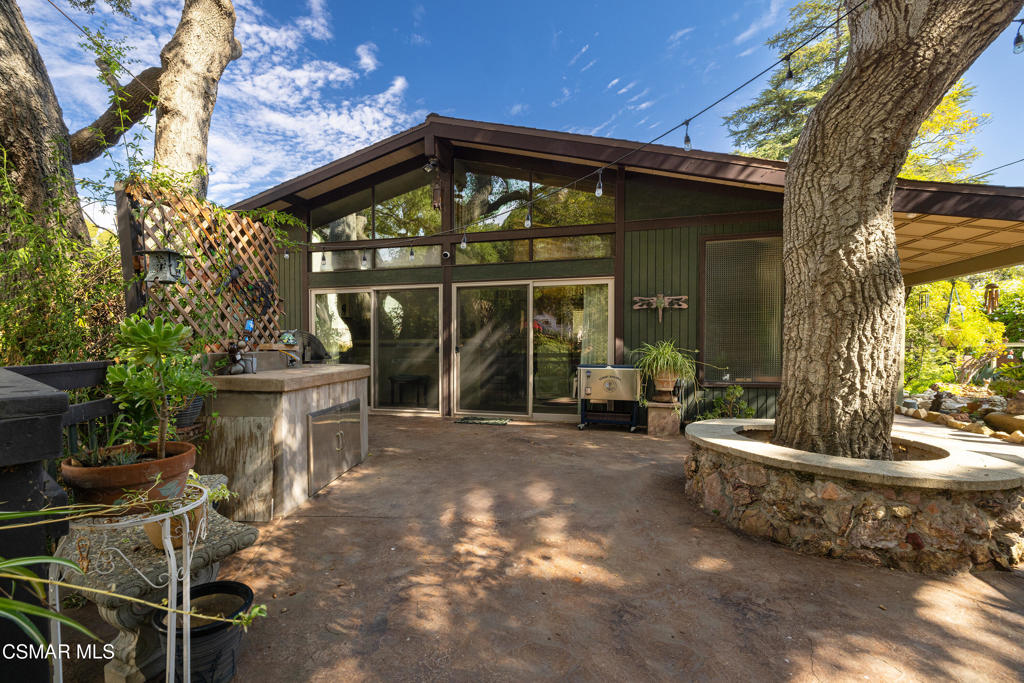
(474, 265)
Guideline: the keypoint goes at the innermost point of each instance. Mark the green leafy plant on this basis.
(661, 358)
(155, 375)
(20, 611)
(730, 404)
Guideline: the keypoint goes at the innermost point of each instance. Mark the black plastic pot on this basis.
(187, 416)
(214, 646)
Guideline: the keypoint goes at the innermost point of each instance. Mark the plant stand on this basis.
(663, 418)
(117, 556)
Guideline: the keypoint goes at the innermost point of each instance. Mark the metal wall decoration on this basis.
(659, 302)
(164, 266)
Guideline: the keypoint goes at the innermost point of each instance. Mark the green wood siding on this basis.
(667, 261)
(289, 283)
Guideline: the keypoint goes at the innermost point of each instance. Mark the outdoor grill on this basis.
(603, 383)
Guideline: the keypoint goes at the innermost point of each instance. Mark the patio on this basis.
(534, 551)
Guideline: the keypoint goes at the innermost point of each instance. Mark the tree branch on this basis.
(132, 103)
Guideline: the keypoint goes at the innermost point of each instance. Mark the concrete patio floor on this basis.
(538, 552)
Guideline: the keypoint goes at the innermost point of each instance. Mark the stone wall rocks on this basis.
(918, 530)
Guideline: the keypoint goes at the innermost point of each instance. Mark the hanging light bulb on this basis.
(364, 258)
(687, 145)
(412, 254)
(1018, 40)
(462, 244)
(789, 70)
(529, 217)
(286, 256)
(323, 258)
(600, 185)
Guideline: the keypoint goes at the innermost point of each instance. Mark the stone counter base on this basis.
(913, 529)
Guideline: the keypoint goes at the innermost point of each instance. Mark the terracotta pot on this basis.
(155, 532)
(665, 382)
(107, 485)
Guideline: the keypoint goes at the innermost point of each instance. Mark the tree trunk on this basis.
(32, 129)
(844, 309)
(134, 101)
(193, 62)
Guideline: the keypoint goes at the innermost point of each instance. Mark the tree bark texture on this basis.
(844, 311)
(193, 62)
(137, 100)
(32, 129)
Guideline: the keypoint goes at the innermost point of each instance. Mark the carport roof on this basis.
(943, 229)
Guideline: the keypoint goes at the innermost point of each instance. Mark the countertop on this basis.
(294, 379)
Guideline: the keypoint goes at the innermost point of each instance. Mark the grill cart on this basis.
(603, 383)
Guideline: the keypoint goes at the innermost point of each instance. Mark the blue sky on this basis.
(319, 79)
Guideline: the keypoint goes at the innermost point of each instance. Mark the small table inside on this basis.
(417, 381)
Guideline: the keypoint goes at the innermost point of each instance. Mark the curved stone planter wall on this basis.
(952, 513)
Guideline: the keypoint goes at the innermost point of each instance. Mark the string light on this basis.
(1018, 40)
(462, 244)
(687, 145)
(412, 253)
(600, 185)
(364, 258)
(529, 216)
(323, 258)
(789, 69)
(286, 256)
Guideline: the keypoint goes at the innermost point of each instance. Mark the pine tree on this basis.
(770, 126)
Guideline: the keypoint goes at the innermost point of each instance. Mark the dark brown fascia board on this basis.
(951, 199)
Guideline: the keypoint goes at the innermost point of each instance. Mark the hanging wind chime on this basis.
(991, 297)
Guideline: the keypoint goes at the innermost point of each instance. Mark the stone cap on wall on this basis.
(293, 379)
(955, 470)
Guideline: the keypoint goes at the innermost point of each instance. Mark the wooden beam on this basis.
(128, 238)
(979, 264)
(619, 307)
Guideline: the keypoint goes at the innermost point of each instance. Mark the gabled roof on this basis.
(941, 227)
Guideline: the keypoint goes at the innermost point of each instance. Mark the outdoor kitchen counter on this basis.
(262, 438)
(279, 381)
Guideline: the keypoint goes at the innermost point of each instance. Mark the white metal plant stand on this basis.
(105, 558)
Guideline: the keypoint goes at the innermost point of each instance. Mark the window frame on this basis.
(702, 320)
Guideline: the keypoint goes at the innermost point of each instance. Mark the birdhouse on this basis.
(164, 266)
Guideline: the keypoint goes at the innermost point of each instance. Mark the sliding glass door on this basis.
(491, 348)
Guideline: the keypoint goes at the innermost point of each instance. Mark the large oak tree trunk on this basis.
(193, 62)
(32, 129)
(844, 309)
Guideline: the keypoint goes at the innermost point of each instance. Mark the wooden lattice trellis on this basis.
(231, 265)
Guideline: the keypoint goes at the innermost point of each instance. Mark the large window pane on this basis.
(491, 347)
(407, 348)
(345, 219)
(493, 252)
(743, 310)
(556, 204)
(578, 247)
(656, 197)
(490, 196)
(405, 206)
(342, 322)
(409, 257)
(570, 327)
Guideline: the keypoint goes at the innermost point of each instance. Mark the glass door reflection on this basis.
(491, 348)
(408, 350)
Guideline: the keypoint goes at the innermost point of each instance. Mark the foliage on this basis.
(663, 357)
(61, 298)
(155, 375)
(1011, 309)
(770, 126)
(20, 611)
(730, 404)
(953, 347)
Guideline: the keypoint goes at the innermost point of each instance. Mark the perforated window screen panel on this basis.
(743, 290)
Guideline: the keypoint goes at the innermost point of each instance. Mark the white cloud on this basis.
(591, 63)
(281, 111)
(367, 53)
(559, 101)
(625, 89)
(579, 54)
(518, 108)
(764, 21)
(644, 105)
(749, 51)
(613, 83)
(318, 23)
(640, 94)
(673, 40)
(418, 40)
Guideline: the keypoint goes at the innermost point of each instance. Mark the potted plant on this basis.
(663, 364)
(154, 376)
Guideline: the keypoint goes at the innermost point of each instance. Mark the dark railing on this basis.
(83, 422)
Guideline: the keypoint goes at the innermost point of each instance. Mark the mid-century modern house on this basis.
(460, 260)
